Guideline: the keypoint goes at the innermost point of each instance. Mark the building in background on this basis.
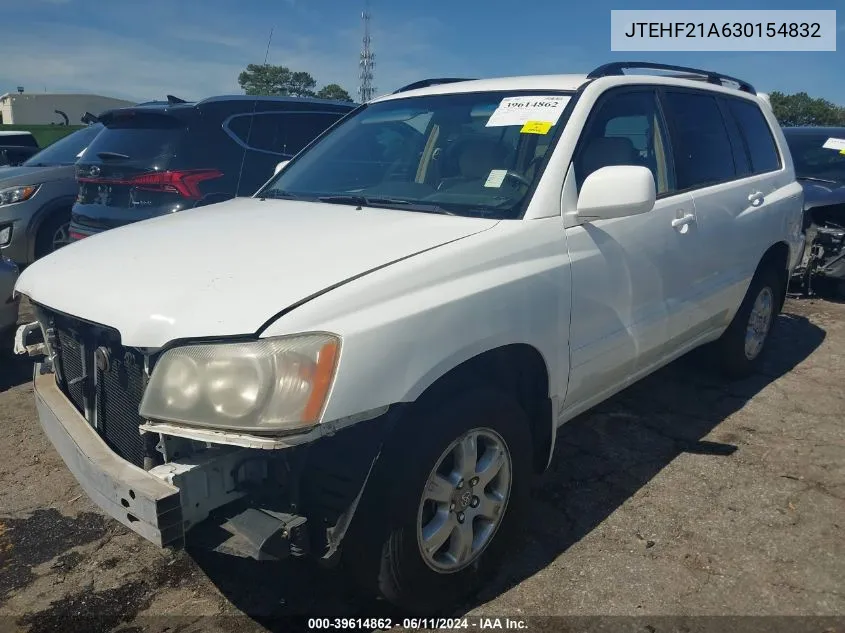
(33, 108)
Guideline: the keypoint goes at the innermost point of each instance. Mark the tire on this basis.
(384, 553)
(735, 358)
(47, 232)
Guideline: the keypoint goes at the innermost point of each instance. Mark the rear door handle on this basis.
(756, 198)
(684, 220)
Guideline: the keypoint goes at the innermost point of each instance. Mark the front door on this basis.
(625, 271)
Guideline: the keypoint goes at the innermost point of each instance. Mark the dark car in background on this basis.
(36, 198)
(16, 146)
(8, 303)
(819, 157)
(159, 158)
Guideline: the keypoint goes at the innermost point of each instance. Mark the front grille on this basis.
(119, 392)
(112, 397)
(71, 367)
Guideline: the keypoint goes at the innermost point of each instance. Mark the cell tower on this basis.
(366, 90)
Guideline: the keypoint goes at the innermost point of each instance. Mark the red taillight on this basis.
(185, 183)
(76, 236)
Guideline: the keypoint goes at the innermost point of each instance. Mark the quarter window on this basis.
(758, 136)
(700, 143)
(282, 133)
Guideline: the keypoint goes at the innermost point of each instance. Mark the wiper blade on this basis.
(112, 155)
(278, 194)
(384, 203)
(814, 179)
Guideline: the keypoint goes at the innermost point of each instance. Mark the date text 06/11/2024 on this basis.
(384, 624)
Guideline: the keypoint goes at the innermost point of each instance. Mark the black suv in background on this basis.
(159, 158)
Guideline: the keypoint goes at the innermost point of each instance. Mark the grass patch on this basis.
(44, 134)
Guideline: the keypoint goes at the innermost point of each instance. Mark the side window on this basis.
(700, 143)
(758, 136)
(625, 129)
(300, 128)
(239, 126)
(742, 163)
(267, 133)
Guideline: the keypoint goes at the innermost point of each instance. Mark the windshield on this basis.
(813, 160)
(66, 150)
(475, 154)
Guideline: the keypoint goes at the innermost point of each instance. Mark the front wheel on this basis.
(53, 234)
(449, 496)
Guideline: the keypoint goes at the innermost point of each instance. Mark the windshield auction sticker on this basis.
(741, 30)
(522, 110)
(835, 143)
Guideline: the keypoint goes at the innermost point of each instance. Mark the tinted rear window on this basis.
(703, 154)
(758, 136)
(22, 139)
(151, 139)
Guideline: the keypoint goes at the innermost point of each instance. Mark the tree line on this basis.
(802, 109)
(281, 81)
(265, 79)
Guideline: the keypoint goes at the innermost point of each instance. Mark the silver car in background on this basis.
(37, 196)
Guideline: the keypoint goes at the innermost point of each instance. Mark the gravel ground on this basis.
(682, 496)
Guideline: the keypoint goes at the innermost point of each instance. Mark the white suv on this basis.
(365, 361)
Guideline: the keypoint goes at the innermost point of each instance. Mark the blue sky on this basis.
(144, 49)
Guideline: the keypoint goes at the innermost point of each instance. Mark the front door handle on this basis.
(756, 198)
(682, 221)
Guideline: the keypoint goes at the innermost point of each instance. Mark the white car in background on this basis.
(365, 361)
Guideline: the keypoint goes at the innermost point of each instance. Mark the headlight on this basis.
(261, 386)
(17, 194)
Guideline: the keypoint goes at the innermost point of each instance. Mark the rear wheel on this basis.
(742, 346)
(449, 500)
(53, 234)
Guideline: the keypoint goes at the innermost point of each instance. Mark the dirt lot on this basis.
(681, 496)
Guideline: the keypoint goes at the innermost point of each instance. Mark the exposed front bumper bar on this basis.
(142, 502)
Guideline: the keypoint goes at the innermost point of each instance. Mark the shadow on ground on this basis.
(602, 458)
(14, 370)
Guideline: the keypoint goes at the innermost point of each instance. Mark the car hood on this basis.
(818, 194)
(11, 176)
(229, 268)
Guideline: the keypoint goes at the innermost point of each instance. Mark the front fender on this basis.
(405, 325)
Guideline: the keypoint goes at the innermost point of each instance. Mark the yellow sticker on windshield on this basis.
(842, 152)
(536, 127)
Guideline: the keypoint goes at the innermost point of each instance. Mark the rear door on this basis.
(707, 166)
(733, 196)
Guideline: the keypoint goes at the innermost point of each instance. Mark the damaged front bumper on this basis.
(256, 512)
(141, 501)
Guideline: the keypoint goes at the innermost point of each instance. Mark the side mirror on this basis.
(616, 192)
(280, 167)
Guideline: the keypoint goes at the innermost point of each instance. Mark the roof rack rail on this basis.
(616, 68)
(425, 83)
